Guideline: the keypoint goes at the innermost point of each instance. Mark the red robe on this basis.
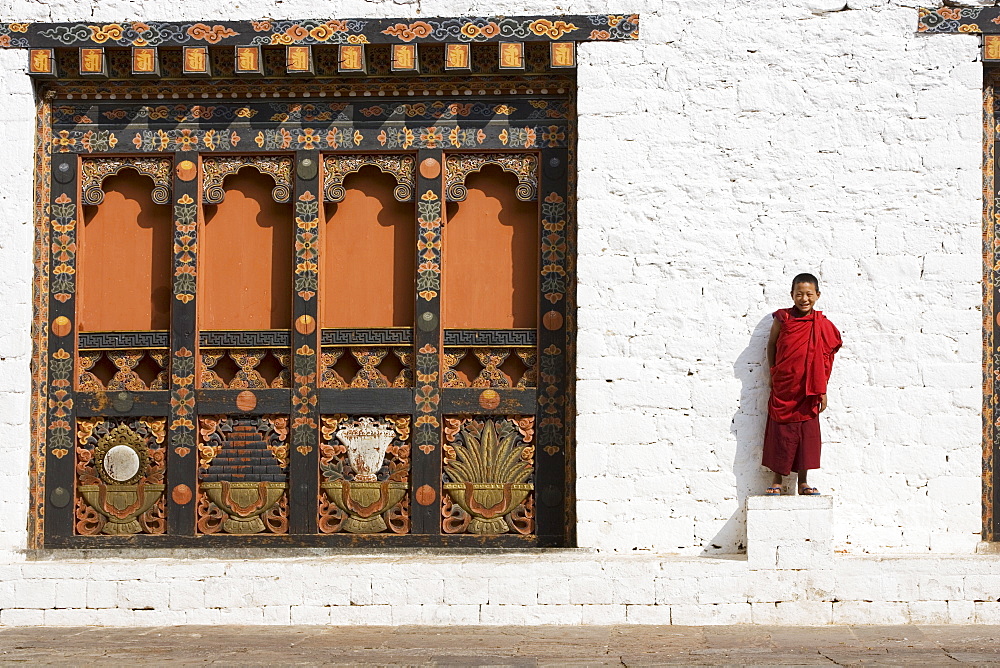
(802, 366)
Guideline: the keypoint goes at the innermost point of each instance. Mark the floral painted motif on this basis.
(185, 248)
(429, 246)
(426, 427)
(63, 280)
(185, 140)
(60, 439)
(182, 428)
(304, 400)
(554, 247)
(306, 241)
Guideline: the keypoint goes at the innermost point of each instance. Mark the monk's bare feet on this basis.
(806, 490)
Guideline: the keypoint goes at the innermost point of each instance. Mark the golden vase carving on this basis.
(121, 505)
(364, 502)
(244, 502)
(487, 503)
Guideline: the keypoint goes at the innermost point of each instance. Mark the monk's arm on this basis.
(772, 342)
(822, 403)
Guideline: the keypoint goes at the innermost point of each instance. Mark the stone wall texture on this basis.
(737, 143)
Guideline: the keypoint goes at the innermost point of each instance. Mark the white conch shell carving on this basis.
(366, 439)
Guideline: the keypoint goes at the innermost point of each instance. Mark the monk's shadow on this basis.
(748, 428)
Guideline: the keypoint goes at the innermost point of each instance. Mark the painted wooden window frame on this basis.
(67, 133)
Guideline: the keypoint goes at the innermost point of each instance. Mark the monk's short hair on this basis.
(805, 278)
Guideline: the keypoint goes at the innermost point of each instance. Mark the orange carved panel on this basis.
(246, 257)
(368, 255)
(124, 265)
(490, 256)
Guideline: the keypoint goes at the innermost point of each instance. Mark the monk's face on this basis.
(805, 296)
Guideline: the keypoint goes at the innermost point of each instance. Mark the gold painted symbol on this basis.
(195, 60)
(404, 57)
(299, 59)
(511, 55)
(352, 58)
(489, 399)
(457, 56)
(305, 325)
(186, 170)
(247, 59)
(562, 54)
(41, 61)
(61, 326)
(92, 61)
(144, 60)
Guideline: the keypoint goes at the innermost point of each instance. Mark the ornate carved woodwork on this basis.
(215, 170)
(250, 415)
(490, 367)
(243, 479)
(364, 471)
(370, 367)
(522, 165)
(120, 469)
(489, 466)
(338, 167)
(93, 171)
(245, 368)
(116, 369)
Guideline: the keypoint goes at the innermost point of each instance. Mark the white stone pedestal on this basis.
(789, 532)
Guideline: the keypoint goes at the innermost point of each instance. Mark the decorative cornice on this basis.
(958, 20)
(282, 32)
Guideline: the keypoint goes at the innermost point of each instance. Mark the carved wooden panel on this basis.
(123, 270)
(367, 244)
(491, 251)
(120, 470)
(364, 474)
(489, 467)
(243, 474)
(246, 258)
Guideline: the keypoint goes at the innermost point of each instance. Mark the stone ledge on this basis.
(789, 502)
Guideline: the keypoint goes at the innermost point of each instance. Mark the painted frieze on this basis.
(364, 474)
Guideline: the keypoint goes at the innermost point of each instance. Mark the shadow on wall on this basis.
(748, 428)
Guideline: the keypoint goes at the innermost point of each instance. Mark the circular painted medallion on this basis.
(181, 494)
(246, 400)
(430, 168)
(121, 463)
(426, 495)
(61, 326)
(186, 170)
(305, 325)
(552, 320)
(489, 399)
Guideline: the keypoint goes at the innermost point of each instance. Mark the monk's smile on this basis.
(805, 296)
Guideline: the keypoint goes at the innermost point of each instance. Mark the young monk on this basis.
(800, 354)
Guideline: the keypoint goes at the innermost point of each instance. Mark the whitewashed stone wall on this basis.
(737, 143)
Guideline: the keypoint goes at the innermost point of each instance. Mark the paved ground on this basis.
(504, 646)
